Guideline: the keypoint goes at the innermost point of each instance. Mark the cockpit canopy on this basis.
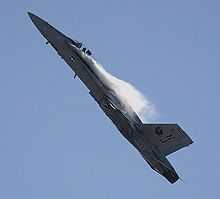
(75, 43)
(79, 45)
(88, 52)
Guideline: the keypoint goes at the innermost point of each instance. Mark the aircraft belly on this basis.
(121, 122)
(81, 70)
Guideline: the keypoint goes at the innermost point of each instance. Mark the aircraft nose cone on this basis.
(31, 15)
(41, 25)
(34, 18)
(52, 35)
(49, 32)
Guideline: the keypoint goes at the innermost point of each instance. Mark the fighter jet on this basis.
(153, 141)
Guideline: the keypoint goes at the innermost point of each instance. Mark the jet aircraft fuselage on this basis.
(153, 141)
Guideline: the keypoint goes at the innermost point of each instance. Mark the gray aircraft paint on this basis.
(153, 141)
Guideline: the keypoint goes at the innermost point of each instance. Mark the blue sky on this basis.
(54, 140)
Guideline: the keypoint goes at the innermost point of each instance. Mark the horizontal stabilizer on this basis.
(167, 137)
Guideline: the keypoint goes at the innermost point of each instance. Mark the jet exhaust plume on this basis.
(128, 94)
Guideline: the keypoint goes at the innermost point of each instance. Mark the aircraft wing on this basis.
(167, 137)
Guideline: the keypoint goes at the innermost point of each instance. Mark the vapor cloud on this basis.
(127, 93)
